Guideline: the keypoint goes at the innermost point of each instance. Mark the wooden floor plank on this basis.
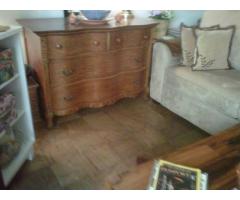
(95, 145)
(217, 155)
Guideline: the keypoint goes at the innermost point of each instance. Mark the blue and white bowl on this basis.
(95, 14)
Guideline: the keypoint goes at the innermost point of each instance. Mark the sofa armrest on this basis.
(162, 58)
(173, 44)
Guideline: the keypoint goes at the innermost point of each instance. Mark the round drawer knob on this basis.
(118, 40)
(59, 46)
(96, 43)
(67, 72)
(145, 37)
(68, 98)
(138, 60)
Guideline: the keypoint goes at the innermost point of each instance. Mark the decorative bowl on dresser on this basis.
(87, 66)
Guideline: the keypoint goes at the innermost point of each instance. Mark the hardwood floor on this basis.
(92, 147)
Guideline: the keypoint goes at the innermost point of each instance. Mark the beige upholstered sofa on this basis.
(208, 99)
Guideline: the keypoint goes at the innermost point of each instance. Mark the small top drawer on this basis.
(129, 38)
(72, 45)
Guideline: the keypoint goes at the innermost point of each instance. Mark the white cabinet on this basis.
(18, 86)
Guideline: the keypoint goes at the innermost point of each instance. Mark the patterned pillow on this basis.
(188, 43)
(213, 48)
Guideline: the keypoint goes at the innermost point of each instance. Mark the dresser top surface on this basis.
(61, 25)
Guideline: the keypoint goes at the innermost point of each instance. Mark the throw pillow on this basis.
(188, 43)
(213, 48)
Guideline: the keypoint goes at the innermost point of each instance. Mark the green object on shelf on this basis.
(6, 65)
(6, 71)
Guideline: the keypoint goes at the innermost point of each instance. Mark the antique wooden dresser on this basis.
(80, 66)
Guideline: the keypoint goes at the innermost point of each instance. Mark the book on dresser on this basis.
(170, 176)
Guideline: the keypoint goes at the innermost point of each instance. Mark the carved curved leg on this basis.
(146, 93)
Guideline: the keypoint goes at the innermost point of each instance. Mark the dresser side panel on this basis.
(36, 48)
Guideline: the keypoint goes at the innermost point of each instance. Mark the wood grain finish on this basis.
(37, 56)
(217, 155)
(88, 67)
(129, 38)
(96, 146)
(97, 92)
(65, 46)
(66, 71)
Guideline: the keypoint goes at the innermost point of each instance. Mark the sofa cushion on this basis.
(209, 41)
(219, 89)
(226, 18)
(188, 43)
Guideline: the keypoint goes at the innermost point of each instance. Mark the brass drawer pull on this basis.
(68, 98)
(145, 37)
(67, 72)
(118, 40)
(59, 46)
(96, 43)
(137, 82)
(138, 60)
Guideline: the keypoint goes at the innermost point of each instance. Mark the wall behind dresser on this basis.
(9, 16)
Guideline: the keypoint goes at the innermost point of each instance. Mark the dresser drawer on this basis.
(66, 71)
(98, 92)
(129, 38)
(60, 46)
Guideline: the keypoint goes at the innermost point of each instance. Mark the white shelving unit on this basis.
(16, 76)
(20, 113)
(18, 86)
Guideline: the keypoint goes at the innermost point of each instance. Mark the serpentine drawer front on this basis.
(72, 45)
(66, 71)
(97, 92)
(87, 66)
(129, 38)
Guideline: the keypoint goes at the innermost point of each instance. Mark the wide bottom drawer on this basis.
(97, 92)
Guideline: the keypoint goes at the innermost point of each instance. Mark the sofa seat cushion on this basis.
(219, 89)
